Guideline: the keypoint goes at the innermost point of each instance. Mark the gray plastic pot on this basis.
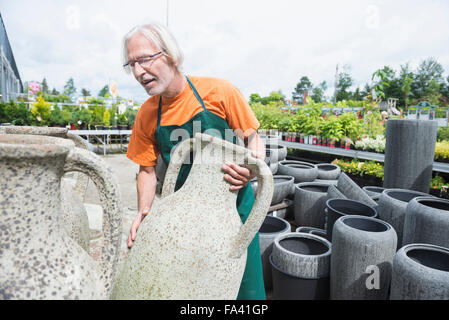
(316, 231)
(373, 191)
(301, 171)
(392, 205)
(300, 266)
(362, 258)
(277, 152)
(352, 191)
(420, 272)
(334, 193)
(282, 188)
(310, 201)
(270, 229)
(328, 171)
(337, 208)
(427, 221)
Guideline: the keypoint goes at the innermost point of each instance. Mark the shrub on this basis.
(41, 111)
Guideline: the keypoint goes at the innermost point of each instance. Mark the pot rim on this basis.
(311, 184)
(430, 198)
(261, 234)
(418, 193)
(303, 235)
(350, 201)
(369, 188)
(270, 258)
(422, 246)
(327, 165)
(38, 146)
(347, 217)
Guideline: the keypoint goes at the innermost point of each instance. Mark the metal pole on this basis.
(167, 12)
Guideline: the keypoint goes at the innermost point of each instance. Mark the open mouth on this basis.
(147, 82)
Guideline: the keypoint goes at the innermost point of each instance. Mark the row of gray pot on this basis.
(363, 265)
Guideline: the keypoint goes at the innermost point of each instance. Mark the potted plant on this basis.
(106, 120)
(122, 121)
(85, 117)
(41, 111)
(56, 118)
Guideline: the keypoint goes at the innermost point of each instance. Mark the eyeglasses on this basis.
(144, 62)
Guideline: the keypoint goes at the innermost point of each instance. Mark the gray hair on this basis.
(161, 37)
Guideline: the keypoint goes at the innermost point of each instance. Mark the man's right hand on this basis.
(135, 225)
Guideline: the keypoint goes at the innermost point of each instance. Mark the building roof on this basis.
(4, 42)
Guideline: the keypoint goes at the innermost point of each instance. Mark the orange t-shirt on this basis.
(219, 96)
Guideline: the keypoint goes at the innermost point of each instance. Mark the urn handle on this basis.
(177, 159)
(100, 173)
(265, 188)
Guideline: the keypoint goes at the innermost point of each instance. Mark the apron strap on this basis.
(198, 97)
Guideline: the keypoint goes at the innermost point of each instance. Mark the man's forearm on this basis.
(146, 189)
(257, 146)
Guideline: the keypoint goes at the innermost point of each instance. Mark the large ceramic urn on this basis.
(192, 244)
(74, 215)
(38, 260)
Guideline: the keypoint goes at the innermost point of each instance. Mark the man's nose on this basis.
(138, 70)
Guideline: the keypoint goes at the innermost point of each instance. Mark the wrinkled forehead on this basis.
(139, 45)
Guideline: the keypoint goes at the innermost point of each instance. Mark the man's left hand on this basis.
(236, 175)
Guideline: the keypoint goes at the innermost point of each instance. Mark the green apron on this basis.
(252, 287)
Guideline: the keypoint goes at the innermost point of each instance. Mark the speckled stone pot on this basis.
(38, 260)
(427, 221)
(392, 206)
(74, 216)
(420, 272)
(328, 171)
(277, 152)
(310, 201)
(192, 244)
(301, 171)
(270, 229)
(352, 191)
(282, 187)
(362, 247)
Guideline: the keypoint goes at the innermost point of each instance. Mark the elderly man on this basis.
(153, 56)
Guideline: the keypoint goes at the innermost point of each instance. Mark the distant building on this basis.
(10, 83)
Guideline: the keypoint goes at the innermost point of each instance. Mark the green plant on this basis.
(56, 117)
(66, 116)
(41, 111)
(437, 182)
(131, 116)
(97, 113)
(106, 118)
(15, 113)
(443, 134)
(85, 116)
(122, 119)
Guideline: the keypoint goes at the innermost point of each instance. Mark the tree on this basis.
(344, 83)
(44, 86)
(318, 92)
(406, 89)
(54, 92)
(103, 92)
(254, 98)
(69, 88)
(302, 86)
(427, 71)
(85, 93)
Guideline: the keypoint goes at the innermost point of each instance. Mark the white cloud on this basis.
(260, 46)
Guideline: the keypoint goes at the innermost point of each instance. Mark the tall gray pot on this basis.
(361, 262)
(337, 208)
(427, 221)
(277, 152)
(300, 170)
(420, 272)
(409, 153)
(310, 201)
(392, 205)
(270, 229)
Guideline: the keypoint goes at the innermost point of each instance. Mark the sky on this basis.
(259, 45)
